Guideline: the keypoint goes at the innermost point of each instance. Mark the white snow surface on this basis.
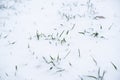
(59, 40)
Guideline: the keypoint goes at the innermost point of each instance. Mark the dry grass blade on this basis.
(62, 33)
(99, 17)
(13, 43)
(67, 32)
(92, 77)
(51, 68)
(28, 46)
(67, 54)
(73, 27)
(114, 65)
(99, 72)
(51, 58)
(82, 33)
(79, 52)
(45, 60)
(37, 35)
(61, 70)
(103, 75)
(53, 63)
(94, 60)
(16, 68)
(110, 26)
(70, 64)
(95, 34)
(63, 41)
(58, 58)
(100, 27)
(6, 74)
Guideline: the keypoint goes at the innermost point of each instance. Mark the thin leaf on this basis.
(16, 68)
(62, 33)
(99, 72)
(95, 34)
(28, 46)
(52, 63)
(114, 65)
(99, 17)
(70, 64)
(92, 77)
(94, 60)
(110, 26)
(6, 36)
(67, 54)
(63, 41)
(51, 58)
(79, 52)
(58, 58)
(82, 33)
(45, 60)
(73, 27)
(61, 70)
(67, 32)
(51, 68)
(6, 74)
(100, 27)
(13, 42)
(37, 35)
(103, 75)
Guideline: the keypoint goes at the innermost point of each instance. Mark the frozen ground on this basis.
(59, 40)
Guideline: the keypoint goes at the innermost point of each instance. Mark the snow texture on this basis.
(59, 40)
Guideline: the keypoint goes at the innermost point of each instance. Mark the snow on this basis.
(59, 40)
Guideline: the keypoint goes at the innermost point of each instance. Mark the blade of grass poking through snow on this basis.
(37, 35)
(73, 27)
(79, 52)
(67, 54)
(82, 33)
(58, 58)
(103, 75)
(98, 72)
(70, 64)
(6, 74)
(45, 60)
(61, 70)
(63, 41)
(53, 63)
(94, 77)
(16, 68)
(114, 65)
(62, 33)
(100, 26)
(51, 58)
(94, 61)
(51, 68)
(67, 32)
(110, 26)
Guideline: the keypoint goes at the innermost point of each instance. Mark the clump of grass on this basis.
(100, 75)
(91, 32)
(54, 38)
(68, 16)
(54, 63)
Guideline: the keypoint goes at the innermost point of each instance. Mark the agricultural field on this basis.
(59, 40)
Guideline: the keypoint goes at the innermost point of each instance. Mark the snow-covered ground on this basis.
(59, 40)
